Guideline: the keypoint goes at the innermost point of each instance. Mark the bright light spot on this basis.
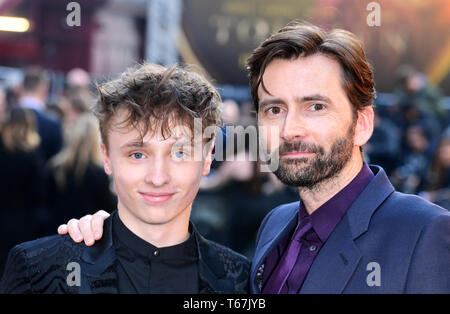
(14, 24)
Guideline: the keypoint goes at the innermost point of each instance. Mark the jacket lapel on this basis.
(340, 256)
(212, 274)
(98, 269)
(335, 264)
(287, 221)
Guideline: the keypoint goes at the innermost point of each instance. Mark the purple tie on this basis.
(287, 262)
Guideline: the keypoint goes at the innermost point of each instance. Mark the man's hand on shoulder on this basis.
(88, 228)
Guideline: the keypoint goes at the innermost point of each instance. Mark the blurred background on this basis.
(50, 164)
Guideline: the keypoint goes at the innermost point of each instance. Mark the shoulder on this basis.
(410, 220)
(47, 246)
(46, 118)
(412, 208)
(423, 229)
(39, 265)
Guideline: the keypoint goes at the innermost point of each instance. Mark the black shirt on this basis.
(144, 268)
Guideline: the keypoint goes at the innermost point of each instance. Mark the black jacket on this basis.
(41, 266)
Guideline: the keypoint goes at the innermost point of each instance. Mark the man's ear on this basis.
(364, 126)
(208, 157)
(106, 160)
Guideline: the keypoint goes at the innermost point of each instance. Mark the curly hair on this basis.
(155, 97)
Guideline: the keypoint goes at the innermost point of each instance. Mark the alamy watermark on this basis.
(74, 277)
(373, 279)
(196, 147)
(374, 17)
(74, 17)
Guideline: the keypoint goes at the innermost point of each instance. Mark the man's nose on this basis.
(294, 127)
(158, 172)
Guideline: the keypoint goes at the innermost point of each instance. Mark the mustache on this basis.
(299, 146)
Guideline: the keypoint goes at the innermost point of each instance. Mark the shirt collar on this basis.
(139, 247)
(326, 217)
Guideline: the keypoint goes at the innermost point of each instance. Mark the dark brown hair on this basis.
(299, 39)
(18, 130)
(34, 77)
(155, 96)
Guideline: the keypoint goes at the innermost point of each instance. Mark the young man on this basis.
(350, 232)
(146, 120)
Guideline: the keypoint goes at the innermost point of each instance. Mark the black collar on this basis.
(130, 244)
(100, 258)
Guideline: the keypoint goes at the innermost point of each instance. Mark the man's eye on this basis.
(274, 110)
(317, 107)
(137, 155)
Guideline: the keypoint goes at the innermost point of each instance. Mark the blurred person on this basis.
(73, 105)
(21, 178)
(248, 114)
(230, 118)
(438, 184)
(34, 96)
(415, 88)
(385, 144)
(411, 175)
(78, 89)
(78, 78)
(2, 103)
(143, 116)
(76, 182)
(230, 112)
(411, 114)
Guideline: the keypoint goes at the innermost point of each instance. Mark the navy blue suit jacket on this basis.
(407, 237)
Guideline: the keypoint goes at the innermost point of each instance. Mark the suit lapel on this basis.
(340, 256)
(98, 269)
(212, 274)
(270, 240)
(335, 264)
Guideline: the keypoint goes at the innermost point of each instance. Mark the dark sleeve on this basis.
(16, 275)
(429, 271)
(36, 181)
(57, 139)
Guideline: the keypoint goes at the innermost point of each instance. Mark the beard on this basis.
(309, 171)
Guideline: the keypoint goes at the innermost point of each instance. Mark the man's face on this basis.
(153, 183)
(313, 116)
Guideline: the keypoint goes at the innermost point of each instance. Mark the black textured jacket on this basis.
(42, 266)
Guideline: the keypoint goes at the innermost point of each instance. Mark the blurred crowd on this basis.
(50, 161)
(51, 165)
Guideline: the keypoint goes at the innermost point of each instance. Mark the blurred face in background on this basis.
(317, 129)
(444, 153)
(154, 184)
(416, 139)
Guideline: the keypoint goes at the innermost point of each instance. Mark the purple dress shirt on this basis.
(288, 264)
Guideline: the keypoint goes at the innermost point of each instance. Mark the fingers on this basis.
(86, 229)
(97, 223)
(62, 229)
(74, 231)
